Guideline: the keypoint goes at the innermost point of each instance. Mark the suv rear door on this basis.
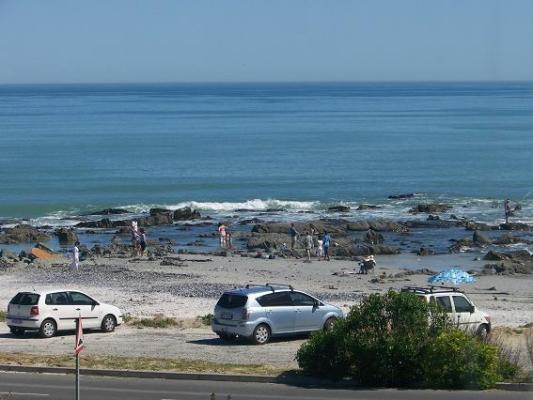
(229, 308)
(279, 310)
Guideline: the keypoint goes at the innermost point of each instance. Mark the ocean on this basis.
(67, 150)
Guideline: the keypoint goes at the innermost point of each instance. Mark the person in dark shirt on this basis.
(293, 233)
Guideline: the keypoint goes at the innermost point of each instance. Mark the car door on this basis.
(279, 310)
(309, 317)
(463, 312)
(88, 308)
(59, 307)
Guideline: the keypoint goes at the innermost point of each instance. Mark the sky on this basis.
(65, 41)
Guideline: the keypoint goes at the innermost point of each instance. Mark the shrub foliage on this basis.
(397, 340)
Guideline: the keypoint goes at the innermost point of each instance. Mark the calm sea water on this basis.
(69, 149)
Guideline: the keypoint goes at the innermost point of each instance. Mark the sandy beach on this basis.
(190, 289)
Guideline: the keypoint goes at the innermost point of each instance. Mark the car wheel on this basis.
(483, 331)
(48, 328)
(109, 323)
(15, 330)
(227, 337)
(328, 325)
(261, 334)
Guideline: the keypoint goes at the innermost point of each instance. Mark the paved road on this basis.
(22, 386)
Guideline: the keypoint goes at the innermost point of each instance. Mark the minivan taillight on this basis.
(34, 310)
(245, 314)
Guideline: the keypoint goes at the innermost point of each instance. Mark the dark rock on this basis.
(496, 256)
(268, 241)
(430, 208)
(362, 207)
(460, 244)
(507, 238)
(186, 213)
(66, 236)
(338, 209)
(379, 225)
(372, 237)
(154, 211)
(479, 239)
(433, 218)
(110, 211)
(433, 223)
(22, 234)
(334, 227)
(424, 251)
(476, 226)
(514, 226)
(104, 223)
(156, 219)
(402, 196)
(251, 221)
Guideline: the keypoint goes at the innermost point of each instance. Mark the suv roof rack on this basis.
(430, 289)
(269, 285)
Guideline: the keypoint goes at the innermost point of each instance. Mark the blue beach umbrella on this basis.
(454, 276)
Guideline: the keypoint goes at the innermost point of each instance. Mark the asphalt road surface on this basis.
(22, 386)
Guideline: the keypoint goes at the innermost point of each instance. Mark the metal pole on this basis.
(77, 369)
(77, 377)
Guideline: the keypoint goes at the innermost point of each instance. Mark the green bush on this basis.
(457, 360)
(394, 340)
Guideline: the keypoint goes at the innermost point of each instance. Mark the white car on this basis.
(460, 309)
(56, 310)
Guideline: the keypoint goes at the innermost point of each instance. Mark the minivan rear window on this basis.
(25, 299)
(232, 301)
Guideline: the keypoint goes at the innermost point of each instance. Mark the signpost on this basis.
(77, 350)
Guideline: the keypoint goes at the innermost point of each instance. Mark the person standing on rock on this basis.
(308, 245)
(293, 233)
(326, 243)
(507, 209)
(76, 256)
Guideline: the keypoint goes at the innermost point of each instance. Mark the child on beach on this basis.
(76, 256)
(135, 241)
(142, 241)
(222, 234)
(308, 245)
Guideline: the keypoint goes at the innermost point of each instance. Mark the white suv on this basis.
(56, 310)
(461, 310)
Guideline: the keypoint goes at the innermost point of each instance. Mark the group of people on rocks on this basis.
(314, 243)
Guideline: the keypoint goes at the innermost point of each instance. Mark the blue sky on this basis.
(248, 40)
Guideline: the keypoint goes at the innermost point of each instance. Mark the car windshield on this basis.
(25, 299)
(232, 301)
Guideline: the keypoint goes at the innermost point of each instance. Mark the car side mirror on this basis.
(316, 304)
(472, 309)
(95, 303)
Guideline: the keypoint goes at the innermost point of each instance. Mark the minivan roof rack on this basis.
(280, 285)
(269, 285)
(431, 289)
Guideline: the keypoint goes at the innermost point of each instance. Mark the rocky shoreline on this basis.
(264, 238)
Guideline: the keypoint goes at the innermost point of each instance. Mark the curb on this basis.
(515, 387)
(125, 373)
(289, 379)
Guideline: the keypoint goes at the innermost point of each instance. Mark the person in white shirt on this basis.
(76, 256)
(308, 245)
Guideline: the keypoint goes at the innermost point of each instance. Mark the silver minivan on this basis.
(259, 312)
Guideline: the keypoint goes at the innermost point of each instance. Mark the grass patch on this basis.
(2, 316)
(157, 321)
(137, 363)
(205, 319)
